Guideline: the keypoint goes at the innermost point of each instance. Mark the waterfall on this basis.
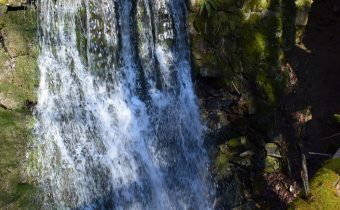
(117, 120)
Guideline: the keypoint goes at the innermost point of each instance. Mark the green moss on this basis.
(255, 46)
(19, 73)
(81, 33)
(266, 86)
(235, 143)
(272, 164)
(333, 164)
(14, 193)
(324, 194)
(256, 5)
(26, 76)
(17, 83)
(221, 162)
(24, 81)
(19, 29)
(300, 4)
(251, 36)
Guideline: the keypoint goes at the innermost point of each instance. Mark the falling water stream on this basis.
(118, 125)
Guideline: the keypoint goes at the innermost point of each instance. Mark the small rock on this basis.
(272, 164)
(247, 153)
(8, 103)
(273, 150)
(337, 154)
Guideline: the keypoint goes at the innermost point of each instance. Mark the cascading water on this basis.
(117, 121)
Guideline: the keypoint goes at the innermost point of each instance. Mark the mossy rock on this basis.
(18, 59)
(302, 4)
(222, 163)
(13, 3)
(235, 143)
(256, 5)
(16, 192)
(19, 31)
(14, 93)
(324, 186)
(272, 164)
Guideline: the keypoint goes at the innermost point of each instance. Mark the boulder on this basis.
(13, 3)
(325, 189)
(8, 102)
(272, 161)
(15, 42)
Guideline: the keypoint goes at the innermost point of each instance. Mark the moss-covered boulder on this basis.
(16, 190)
(14, 3)
(325, 189)
(18, 81)
(273, 161)
(18, 58)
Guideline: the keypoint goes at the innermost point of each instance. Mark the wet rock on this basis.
(231, 194)
(303, 8)
(235, 143)
(273, 158)
(242, 161)
(272, 164)
(272, 149)
(247, 153)
(302, 17)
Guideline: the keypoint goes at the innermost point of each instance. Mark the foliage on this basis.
(324, 189)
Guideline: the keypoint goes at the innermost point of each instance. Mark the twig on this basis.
(232, 82)
(332, 136)
(321, 154)
(304, 175)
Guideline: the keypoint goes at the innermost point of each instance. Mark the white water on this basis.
(117, 121)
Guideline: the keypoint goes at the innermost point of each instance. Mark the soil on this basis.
(316, 62)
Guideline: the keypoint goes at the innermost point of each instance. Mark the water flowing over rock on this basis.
(117, 120)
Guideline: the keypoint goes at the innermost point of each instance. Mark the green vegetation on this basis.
(16, 191)
(324, 189)
(18, 56)
(18, 81)
(249, 38)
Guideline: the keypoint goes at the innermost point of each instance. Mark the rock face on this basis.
(239, 51)
(18, 55)
(18, 80)
(242, 44)
(16, 190)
